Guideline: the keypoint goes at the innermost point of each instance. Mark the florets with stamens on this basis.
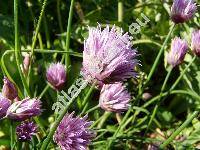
(108, 56)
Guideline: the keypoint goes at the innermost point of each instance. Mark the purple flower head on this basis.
(114, 98)
(9, 90)
(73, 133)
(26, 130)
(108, 56)
(195, 44)
(4, 105)
(177, 53)
(182, 10)
(56, 75)
(22, 110)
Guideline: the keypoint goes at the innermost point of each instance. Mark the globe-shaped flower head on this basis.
(73, 133)
(26, 130)
(195, 44)
(108, 56)
(114, 98)
(182, 10)
(177, 53)
(56, 75)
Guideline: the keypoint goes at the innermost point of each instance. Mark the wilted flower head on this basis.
(196, 42)
(4, 105)
(177, 53)
(26, 130)
(73, 133)
(56, 75)
(114, 97)
(108, 56)
(22, 110)
(9, 90)
(183, 10)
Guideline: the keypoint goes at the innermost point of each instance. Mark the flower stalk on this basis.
(67, 58)
(17, 48)
(183, 126)
(159, 55)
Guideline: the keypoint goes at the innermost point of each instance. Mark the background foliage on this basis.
(172, 112)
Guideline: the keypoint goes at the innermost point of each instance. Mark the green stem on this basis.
(103, 119)
(86, 99)
(119, 128)
(44, 91)
(38, 27)
(120, 10)
(11, 135)
(17, 48)
(59, 16)
(191, 93)
(88, 94)
(184, 125)
(159, 55)
(157, 104)
(92, 109)
(146, 41)
(35, 35)
(45, 26)
(57, 122)
(158, 98)
(182, 73)
(45, 51)
(60, 21)
(69, 23)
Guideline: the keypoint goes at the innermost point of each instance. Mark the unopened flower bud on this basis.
(146, 96)
(26, 63)
(178, 51)
(4, 105)
(195, 44)
(9, 90)
(56, 75)
(183, 10)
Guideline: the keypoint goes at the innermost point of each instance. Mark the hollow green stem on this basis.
(45, 51)
(38, 26)
(46, 27)
(157, 104)
(184, 125)
(17, 47)
(86, 99)
(88, 94)
(103, 119)
(119, 128)
(159, 55)
(60, 21)
(44, 91)
(92, 109)
(35, 35)
(69, 23)
(120, 10)
(11, 135)
(182, 74)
